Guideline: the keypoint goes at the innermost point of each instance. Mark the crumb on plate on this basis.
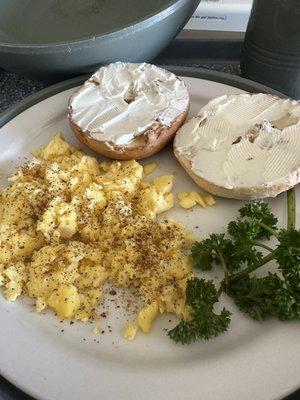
(96, 330)
(130, 331)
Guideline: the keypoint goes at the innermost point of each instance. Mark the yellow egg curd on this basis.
(69, 223)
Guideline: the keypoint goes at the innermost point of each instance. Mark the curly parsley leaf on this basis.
(288, 256)
(203, 255)
(248, 225)
(204, 323)
(263, 297)
(207, 252)
(200, 292)
(260, 211)
(244, 229)
(235, 253)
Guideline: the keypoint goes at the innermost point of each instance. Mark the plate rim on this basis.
(193, 72)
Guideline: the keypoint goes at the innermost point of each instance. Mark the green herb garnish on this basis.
(201, 296)
(239, 254)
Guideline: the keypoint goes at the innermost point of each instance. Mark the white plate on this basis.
(252, 360)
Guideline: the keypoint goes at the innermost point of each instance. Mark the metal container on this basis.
(271, 53)
(68, 37)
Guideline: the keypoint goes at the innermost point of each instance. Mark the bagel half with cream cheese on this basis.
(244, 146)
(128, 111)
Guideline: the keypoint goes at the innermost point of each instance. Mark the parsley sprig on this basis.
(201, 296)
(239, 253)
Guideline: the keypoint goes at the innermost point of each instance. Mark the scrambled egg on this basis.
(190, 199)
(70, 223)
(149, 168)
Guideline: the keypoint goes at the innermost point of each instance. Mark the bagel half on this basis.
(152, 141)
(128, 111)
(242, 146)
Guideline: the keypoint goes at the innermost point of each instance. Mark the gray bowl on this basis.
(69, 37)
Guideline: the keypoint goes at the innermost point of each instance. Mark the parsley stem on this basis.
(264, 246)
(253, 267)
(267, 228)
(224, 266)
(291, 209)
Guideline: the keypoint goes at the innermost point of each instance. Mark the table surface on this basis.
(14, 88)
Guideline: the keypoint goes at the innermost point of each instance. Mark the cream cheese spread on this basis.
(122, 100)
(244, 140)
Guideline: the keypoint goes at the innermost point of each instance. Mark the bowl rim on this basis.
(88, 41)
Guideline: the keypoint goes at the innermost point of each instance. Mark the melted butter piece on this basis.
(121, 100)
(244, 140)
